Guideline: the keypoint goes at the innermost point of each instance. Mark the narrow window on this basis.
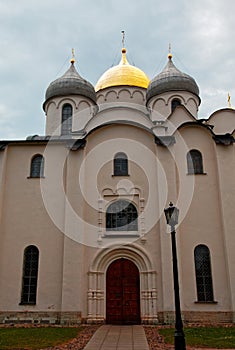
(121, 216)
(30, 275)
(37, 166)
(66, 126)
(120, 164)
(194, 162)
(203, 274)
(174, 103)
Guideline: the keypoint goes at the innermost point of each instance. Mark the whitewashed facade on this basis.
(60, 236)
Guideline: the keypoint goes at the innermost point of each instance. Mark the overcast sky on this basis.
(36, 38)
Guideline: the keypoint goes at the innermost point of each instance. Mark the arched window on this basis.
(66, 126)
(174, 103)
(194, 162)
(203, 273)
(120, 164)
(121, 216)
(30, 275)
(37, 166)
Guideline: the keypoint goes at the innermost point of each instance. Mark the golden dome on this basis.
(123, 74)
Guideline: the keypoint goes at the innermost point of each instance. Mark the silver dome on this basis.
(171, 79)
(71, 83)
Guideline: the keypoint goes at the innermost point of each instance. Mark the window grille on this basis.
(37, 166)
(121, 216)
(203, 274)
(30, 275)
(120, 164)
(66, 126)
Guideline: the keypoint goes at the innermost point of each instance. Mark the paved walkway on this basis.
(109, 337)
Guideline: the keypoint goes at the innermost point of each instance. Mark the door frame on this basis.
(96, 292)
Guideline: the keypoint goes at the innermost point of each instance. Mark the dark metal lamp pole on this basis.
(172, 214)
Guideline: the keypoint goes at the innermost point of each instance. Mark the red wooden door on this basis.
(122, 293)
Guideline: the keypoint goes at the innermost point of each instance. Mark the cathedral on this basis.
(83, 235)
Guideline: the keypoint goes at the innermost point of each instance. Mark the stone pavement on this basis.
(109, 337)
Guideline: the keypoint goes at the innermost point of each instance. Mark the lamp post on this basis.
(172, 214)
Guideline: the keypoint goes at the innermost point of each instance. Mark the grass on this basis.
(39, 338)
(210, 337)
(35, 338)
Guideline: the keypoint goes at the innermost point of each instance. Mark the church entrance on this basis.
(122, 293)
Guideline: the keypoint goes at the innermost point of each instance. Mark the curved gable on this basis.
(223, 121)
(128, 114)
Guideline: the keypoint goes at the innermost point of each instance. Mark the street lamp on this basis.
(172, 214)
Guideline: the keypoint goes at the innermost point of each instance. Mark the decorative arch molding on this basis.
(193, 100)
(141, 93)
(121, 191)
(119, 92)
(100, 98)
(176, 96)
(167, 100)
(49, 104)
(84, 102)
(68, 100)
(97, 281)
(137, 254)
(110, 92)
(74, 102)
(155, 102)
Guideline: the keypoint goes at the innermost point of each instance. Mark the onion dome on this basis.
(71, 83)
(123, 74)
(171, 79)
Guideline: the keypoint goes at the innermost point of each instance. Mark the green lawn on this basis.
(35, 338)
(214, 337)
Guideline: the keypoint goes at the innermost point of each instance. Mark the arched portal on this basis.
(97, 280)
(122, 293)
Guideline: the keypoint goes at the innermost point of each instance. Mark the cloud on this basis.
(37, 37)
